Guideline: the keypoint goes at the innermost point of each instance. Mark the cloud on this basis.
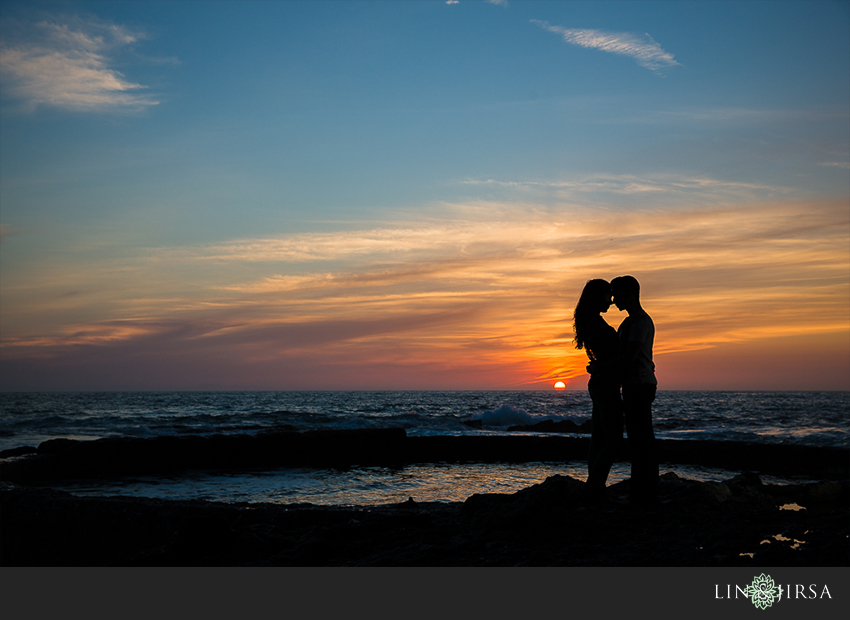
(69, 66)
(658, 188)
(645, 50)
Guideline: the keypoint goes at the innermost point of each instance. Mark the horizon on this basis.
(369, 196)
(568, 390)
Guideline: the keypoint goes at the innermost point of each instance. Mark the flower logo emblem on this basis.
(763, 591)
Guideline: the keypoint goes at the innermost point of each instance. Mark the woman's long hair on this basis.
(587, 308)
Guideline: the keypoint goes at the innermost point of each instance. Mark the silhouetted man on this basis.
(636, 335)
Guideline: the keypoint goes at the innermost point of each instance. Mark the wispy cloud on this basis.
(660, 188)
(644, 49)
(70, 65)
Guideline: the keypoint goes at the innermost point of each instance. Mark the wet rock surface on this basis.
(739, 522)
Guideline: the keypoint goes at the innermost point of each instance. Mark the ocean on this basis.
(810, 418)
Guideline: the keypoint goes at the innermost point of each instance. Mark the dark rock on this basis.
(204, 537)
(526, 507)
(5, 454)
(544, 525)
(56, 446)
(60, 459)
(747, 479)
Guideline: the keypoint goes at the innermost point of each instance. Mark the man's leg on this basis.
(637, 410)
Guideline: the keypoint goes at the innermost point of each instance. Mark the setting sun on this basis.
(560, 385)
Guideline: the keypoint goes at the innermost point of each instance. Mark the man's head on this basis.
(626, 291)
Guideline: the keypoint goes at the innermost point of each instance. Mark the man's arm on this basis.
(622, 359)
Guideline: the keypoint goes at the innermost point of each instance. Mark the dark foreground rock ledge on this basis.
(740, 522)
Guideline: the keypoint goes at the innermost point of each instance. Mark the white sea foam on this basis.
(506, 415)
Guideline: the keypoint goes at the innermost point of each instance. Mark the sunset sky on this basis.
(411, 194)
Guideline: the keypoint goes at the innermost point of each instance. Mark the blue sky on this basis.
(199, 166)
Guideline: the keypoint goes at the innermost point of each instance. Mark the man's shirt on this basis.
(638, 328)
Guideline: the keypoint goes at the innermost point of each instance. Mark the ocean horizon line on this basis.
(421, 390)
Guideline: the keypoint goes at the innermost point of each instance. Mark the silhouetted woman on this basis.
(599, 340)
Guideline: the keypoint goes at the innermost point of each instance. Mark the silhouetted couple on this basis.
(622, 385)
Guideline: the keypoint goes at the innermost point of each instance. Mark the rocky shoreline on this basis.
(739, 522)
